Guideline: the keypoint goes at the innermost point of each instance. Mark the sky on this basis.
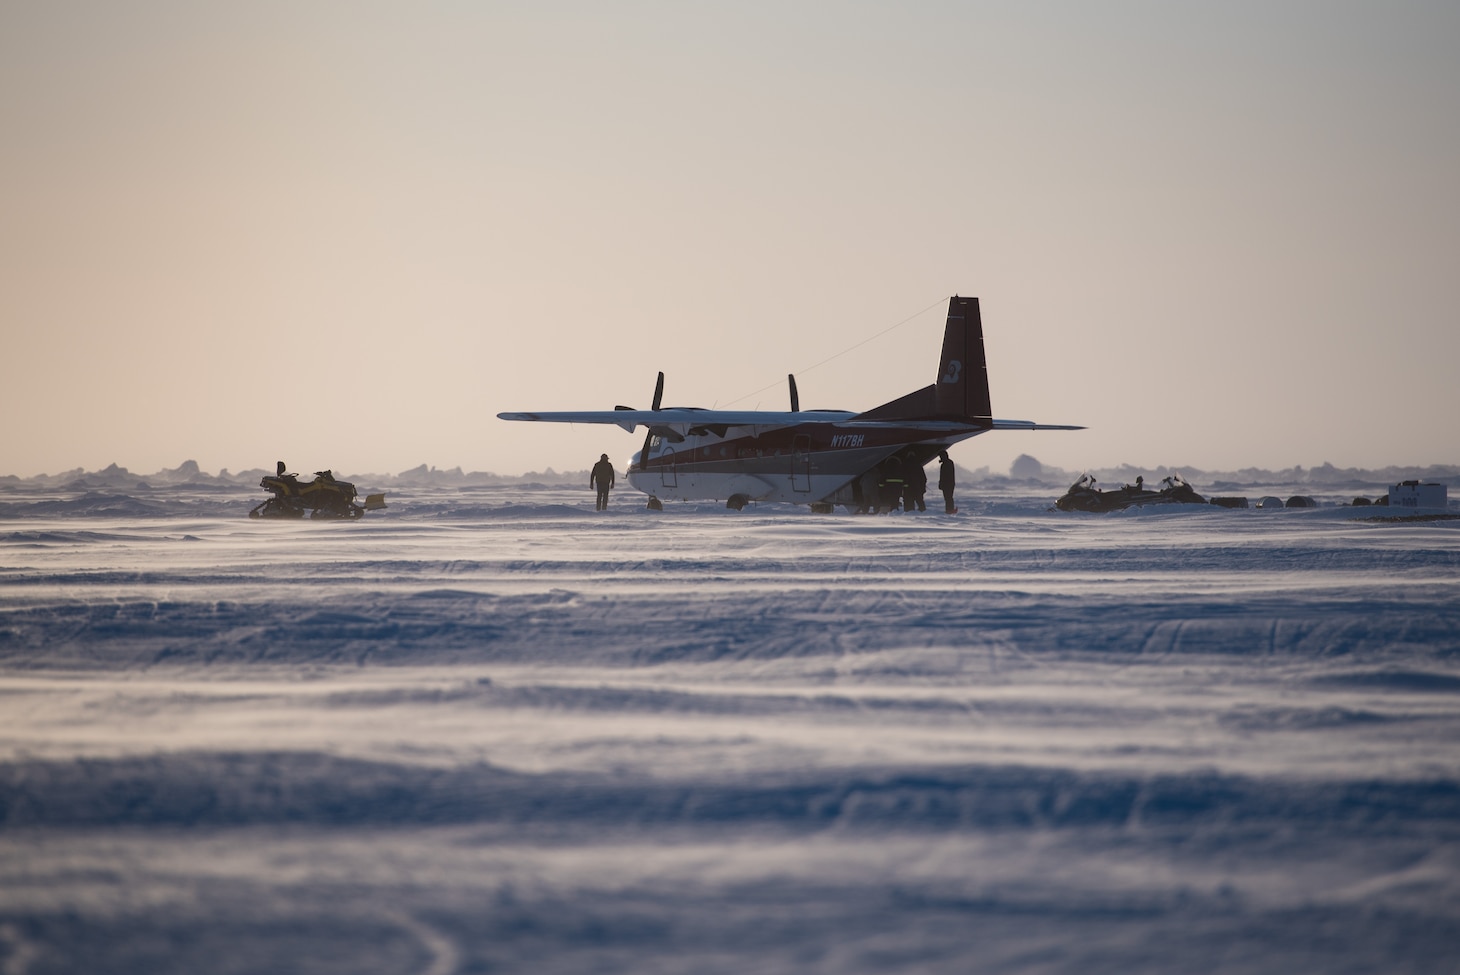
(348, 234)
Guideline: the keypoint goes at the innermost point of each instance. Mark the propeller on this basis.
(795, 397)
(649, 433)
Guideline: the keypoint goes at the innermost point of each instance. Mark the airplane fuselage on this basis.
(817, 460)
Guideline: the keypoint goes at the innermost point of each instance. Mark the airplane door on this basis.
(669, 472)
(801, 464)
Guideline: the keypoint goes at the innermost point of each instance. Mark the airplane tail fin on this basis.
(962, 389)
(963, 374)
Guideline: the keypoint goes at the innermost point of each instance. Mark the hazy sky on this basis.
(348, 234)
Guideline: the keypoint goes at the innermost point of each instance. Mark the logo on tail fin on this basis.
(955, 369)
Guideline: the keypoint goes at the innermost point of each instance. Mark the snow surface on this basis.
(493, 730)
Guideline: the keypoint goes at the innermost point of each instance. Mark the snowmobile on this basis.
(323, 497)
(1083, 495)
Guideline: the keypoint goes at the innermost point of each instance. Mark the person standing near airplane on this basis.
(945, 482)
(602, 479)
(917, 486)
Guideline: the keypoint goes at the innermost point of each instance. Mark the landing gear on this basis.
(737, 502)
(655, 504)
(822, 507)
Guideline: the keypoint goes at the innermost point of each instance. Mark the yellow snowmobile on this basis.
(323, 497)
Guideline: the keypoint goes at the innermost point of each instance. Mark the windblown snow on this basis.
(493, 730)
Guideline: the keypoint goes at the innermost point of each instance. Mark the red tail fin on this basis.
(962, 389)
(963, 374)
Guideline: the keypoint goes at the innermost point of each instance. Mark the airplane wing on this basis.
(1031, 425)
(682, 420)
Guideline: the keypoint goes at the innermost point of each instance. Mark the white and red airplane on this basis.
(815, 457)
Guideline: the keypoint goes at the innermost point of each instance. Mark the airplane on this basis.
(813, 457)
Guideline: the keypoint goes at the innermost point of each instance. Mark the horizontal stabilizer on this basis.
(1031, 425)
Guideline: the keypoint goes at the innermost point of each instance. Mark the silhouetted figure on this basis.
(602, 478)
(945, 481)
(916, 487)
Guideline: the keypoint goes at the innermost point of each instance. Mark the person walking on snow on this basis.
(602, 478)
